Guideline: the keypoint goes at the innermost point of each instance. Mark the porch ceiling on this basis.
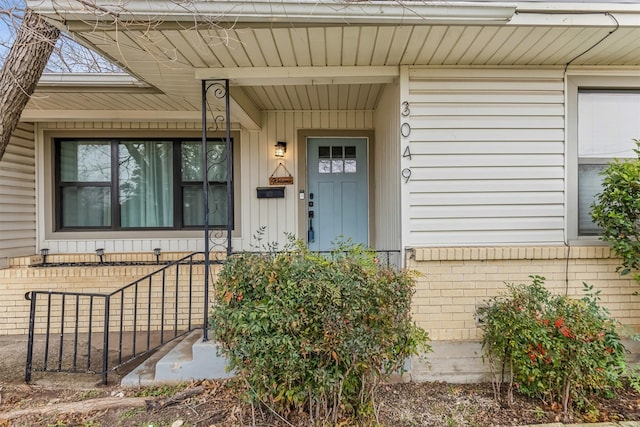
(311, 56)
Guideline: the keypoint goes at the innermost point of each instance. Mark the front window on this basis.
(608, 122)
(85, 177)
(138, 184)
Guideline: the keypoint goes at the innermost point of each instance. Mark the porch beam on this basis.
(244, 110)
(286, 76)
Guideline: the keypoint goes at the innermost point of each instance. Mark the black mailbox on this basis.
(270, 192)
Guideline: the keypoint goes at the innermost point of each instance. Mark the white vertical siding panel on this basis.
(470, 127)
(386, 233)
(118, 246)
(278, 213)
(307, 121)
(248, 139)
(291, 196)
(252, 174)
(18, 195)
(343, 119)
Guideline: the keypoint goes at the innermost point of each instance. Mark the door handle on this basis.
(311, 235)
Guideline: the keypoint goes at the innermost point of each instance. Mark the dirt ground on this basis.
(80, 400)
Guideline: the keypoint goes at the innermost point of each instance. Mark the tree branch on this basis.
(22, 69)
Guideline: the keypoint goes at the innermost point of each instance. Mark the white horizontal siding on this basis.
(479, 147)
(496, 185)
(484, 160)
(487, 157)
(17, 195)
(486, 198)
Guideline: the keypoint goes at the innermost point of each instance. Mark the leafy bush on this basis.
(312, 332)
(550, 346)
(617, 211)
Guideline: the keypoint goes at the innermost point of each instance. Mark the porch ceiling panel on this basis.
(302, 97)
(401, 45)
(361, 46)
(166, 56)
(168, 50)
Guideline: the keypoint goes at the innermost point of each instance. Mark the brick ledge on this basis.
(512, 253)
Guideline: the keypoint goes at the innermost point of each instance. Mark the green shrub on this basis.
(617, 211)
(316, 333)
(550, 346)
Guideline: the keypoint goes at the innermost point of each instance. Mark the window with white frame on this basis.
(123, 184)
(608, 122)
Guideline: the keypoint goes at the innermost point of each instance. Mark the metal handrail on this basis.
(389, 258)
(153, 308)
(157, 307)
(384, 256)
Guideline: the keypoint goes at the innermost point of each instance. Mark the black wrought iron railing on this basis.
(390, 258)
(93, 332)
(386, 257)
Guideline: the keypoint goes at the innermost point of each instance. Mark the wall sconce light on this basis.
(157, 252)
(44, 252)
(100, 253)
(281, 148)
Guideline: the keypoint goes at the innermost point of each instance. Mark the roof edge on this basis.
(62, 82)
(285, 11)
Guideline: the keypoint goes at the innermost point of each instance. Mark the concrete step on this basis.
(188, 359)
(144, 374)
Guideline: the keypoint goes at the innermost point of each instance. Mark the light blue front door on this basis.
(337, 202)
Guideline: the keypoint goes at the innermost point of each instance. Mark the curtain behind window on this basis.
(146, 184)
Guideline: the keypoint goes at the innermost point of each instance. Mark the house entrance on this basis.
(337, 204)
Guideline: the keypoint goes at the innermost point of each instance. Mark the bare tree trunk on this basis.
(22, 69)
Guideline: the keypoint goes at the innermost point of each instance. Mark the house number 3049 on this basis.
(405, 131)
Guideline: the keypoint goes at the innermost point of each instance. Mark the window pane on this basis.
(336, 152)
(350, 152)
(350, 166)
(324, 166)
(193, 205)
(607, 124)
(86, 207)
(85, 161)
(146, 184)
(324, 152)
(589, 184)
(192, 161)
(337, 166)
(608, 121)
